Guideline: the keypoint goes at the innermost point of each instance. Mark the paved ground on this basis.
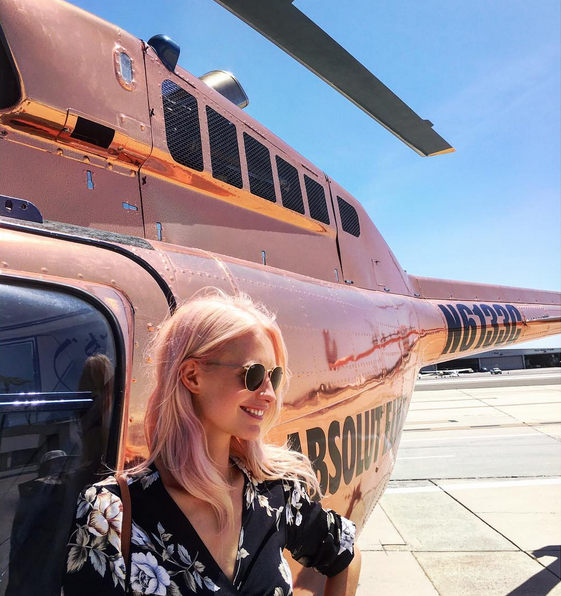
(474, 504)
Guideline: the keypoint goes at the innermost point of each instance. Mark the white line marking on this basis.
(468, 438)
(475, 485)
(425, 456)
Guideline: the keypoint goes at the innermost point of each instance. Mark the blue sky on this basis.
(486, 73)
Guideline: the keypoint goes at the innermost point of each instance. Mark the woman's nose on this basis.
(266, 391)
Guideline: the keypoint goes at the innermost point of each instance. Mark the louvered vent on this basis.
(349, 217)
(259, 169)
(316, 200)
(183, 133)
(224, 151)
(290, 186)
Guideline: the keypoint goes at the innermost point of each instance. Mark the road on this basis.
(474, 504)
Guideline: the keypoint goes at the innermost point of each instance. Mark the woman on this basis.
(214, 505)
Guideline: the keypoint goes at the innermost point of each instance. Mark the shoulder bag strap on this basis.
(126, 528)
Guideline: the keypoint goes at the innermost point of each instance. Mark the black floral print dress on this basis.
(168, 558)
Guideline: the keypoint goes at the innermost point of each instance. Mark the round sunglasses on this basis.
(255, 374)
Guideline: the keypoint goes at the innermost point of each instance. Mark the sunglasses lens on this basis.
(276, 377)
(254, 377)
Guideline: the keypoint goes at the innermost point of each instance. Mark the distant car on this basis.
(496, 371)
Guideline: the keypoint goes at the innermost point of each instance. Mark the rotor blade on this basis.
(292, 31)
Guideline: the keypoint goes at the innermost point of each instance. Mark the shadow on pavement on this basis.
(545, 580)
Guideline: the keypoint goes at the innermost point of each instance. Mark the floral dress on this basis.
(168, 558)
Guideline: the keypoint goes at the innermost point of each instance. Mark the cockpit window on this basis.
(58, 358)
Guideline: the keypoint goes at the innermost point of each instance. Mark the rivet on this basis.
(133, 380)
(150, 327)
(80, 276)
(59, 151)
(86, 159)
(44, 270)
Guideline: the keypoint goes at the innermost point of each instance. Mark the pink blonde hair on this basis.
(202, 327)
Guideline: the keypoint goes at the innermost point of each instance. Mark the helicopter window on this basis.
(9, 84)
(183, 133)
(349, 217)
(57, 371)
(290, 186)
(259, 169)
(224, 151)
(316, 200)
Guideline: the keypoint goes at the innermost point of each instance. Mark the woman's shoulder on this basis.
(110, 484)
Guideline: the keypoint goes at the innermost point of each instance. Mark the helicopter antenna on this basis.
(296, 34)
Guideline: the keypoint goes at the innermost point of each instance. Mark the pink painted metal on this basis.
(358, 328)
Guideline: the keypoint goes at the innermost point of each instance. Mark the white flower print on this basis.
(297, 495)
(140, 537)
(118, 571)
(242, 553)
(146, 481)
(106, 517)
(86, 501)
(147, 577)
(285, 570)
(347, 535)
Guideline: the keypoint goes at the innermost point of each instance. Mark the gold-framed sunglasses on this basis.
(255, 374)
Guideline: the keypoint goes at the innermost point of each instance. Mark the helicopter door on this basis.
(59, 357)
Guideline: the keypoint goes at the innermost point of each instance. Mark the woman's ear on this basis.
(189, 375)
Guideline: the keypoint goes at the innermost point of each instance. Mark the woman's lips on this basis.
(254, 412)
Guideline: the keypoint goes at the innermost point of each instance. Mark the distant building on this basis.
(505, 359)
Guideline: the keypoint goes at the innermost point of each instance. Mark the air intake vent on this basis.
(183, 132)
(349, 218)
(316, 200)
(224, 152)
(290, 186)
(93, 133)
(259, 169)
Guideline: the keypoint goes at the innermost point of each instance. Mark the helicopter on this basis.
(145, 184)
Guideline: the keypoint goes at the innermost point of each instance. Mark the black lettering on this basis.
(359, 460)
(388, 425)
(349, 448)
(379, 413)
(334, 433)
(394, 421)
(454, 327)
(504, 333)
(293, 441)
(316, 453)
(470, 328)
(490, 336)
(369, 437)
(515, 317)
(478, 313)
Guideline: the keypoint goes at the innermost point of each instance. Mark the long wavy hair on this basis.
(201, 328)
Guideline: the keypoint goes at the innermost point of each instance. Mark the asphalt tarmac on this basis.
(474, 504)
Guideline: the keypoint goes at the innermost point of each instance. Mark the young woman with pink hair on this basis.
(214, 505)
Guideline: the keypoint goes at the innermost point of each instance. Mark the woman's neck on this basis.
(219, 452)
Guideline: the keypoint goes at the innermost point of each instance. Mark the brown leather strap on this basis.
(126, 528)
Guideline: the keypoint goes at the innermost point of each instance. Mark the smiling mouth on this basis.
(254, 412)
